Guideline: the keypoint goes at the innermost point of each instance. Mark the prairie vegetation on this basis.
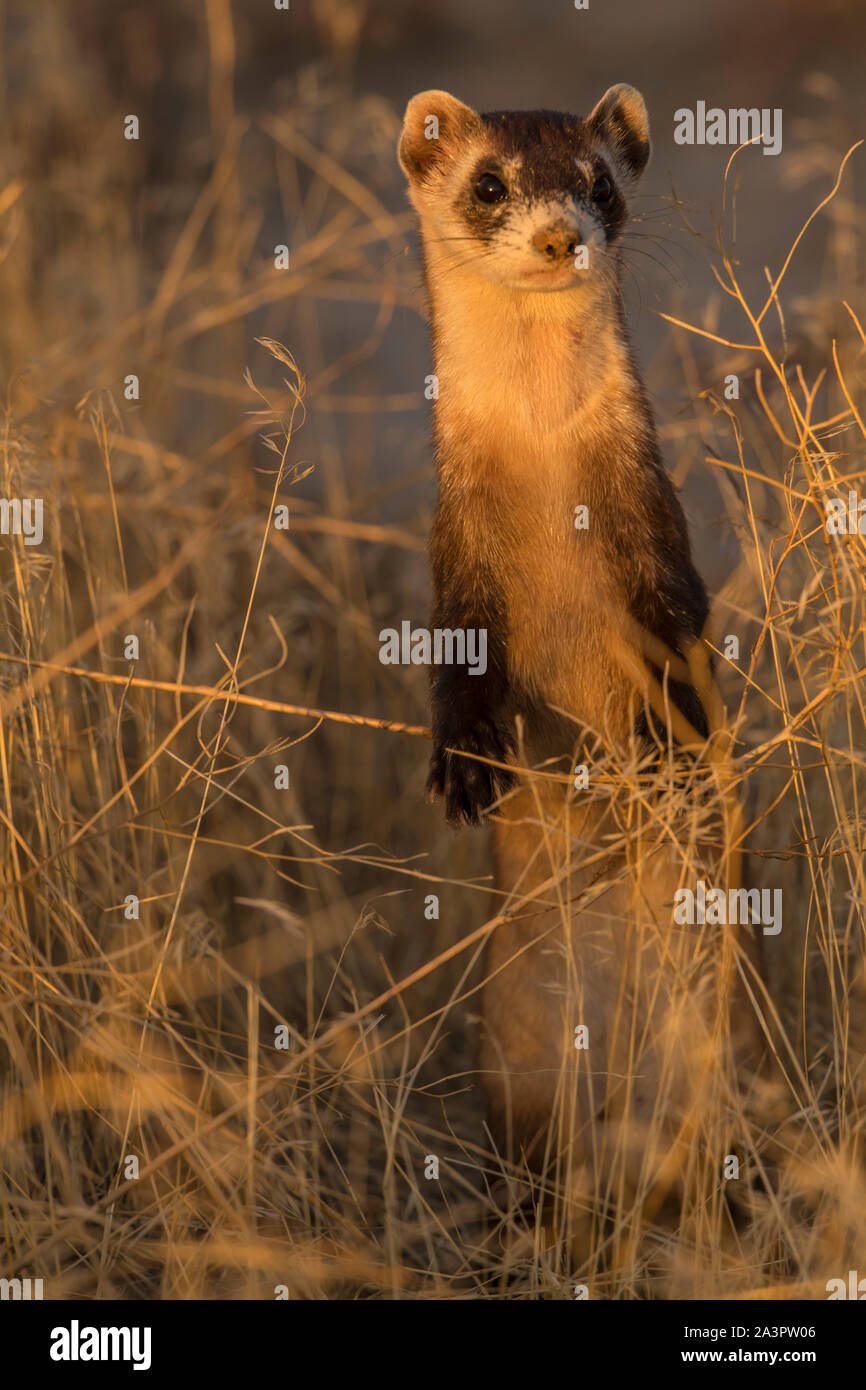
(304, 908)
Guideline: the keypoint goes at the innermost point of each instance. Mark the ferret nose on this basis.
(558, 241)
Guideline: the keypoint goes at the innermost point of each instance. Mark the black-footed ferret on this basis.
(541, 412)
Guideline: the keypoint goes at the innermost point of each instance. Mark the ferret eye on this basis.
(490, 189)
(602, 189)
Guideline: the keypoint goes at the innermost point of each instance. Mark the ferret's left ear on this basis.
(620, 119)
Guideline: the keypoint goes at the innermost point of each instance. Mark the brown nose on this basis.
(558, 241)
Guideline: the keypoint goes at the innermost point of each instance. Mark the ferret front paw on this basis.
(468, 786)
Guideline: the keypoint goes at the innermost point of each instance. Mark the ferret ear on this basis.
(620, 119)
(434, 125)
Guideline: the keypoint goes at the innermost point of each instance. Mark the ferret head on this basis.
(532, 200)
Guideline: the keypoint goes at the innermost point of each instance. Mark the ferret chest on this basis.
(536, 437)
(563, 600)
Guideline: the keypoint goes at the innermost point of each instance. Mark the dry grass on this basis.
(304, 907)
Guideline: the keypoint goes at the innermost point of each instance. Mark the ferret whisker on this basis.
(658, 238)
(669, 259)
(662, 244)
(675, 278)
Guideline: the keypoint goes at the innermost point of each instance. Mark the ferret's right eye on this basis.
(490, 189)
